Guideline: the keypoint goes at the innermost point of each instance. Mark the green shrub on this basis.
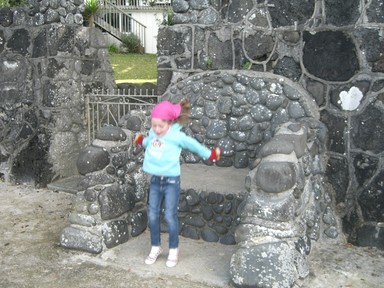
(209, 63)
(13, 3)
(131, 43)
(168, 18)
(247, 65)
(91, 9)
(112, 48)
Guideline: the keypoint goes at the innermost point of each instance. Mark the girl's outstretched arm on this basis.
(196, 147)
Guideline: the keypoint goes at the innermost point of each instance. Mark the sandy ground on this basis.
(32, 219)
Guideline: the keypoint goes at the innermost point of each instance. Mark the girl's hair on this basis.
(185, 112)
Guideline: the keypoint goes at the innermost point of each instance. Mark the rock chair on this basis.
(263, 122)
(272, 125)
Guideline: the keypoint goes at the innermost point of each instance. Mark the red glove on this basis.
(139, 139)
(215, 154)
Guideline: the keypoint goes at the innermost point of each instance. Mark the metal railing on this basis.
(119, 23)
(107, 107)
(142, 4)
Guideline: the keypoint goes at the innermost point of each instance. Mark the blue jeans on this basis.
(165, 189)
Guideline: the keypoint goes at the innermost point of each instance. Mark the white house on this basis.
(141, 17)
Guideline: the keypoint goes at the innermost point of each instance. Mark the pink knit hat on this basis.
(166, 110)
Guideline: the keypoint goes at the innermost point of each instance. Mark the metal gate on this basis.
(106, 107)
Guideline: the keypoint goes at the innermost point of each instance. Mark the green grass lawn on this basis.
(134, 68)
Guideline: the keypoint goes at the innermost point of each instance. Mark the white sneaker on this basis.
(152, 257)
(172, 257)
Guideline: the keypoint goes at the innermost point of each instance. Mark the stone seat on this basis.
(209, 200)
(223, 180)
(272, 212)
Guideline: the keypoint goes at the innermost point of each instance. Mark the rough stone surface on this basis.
(115, 233)
(343, 55)
(331, 53)
(341, 13)
(285, 13)
(372, 199)
(80, 239)
(64, 57)
(281, 184)
(256, 267)
(114, 201)
(92, 159)
(275, 177)
(111, 133)
(368, 125)
(321, 64)
(139, 223)
(244, 126)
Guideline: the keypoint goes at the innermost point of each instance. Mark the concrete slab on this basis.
(199, 261)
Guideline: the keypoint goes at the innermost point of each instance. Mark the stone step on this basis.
(69, 184)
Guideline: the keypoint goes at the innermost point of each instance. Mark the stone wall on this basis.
(48, 62)
(271, 125)
(111, 205)
(329, 49)
(333, 49)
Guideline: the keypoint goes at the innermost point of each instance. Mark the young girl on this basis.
(162, 161)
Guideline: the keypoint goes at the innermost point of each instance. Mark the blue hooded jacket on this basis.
(162, 154)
